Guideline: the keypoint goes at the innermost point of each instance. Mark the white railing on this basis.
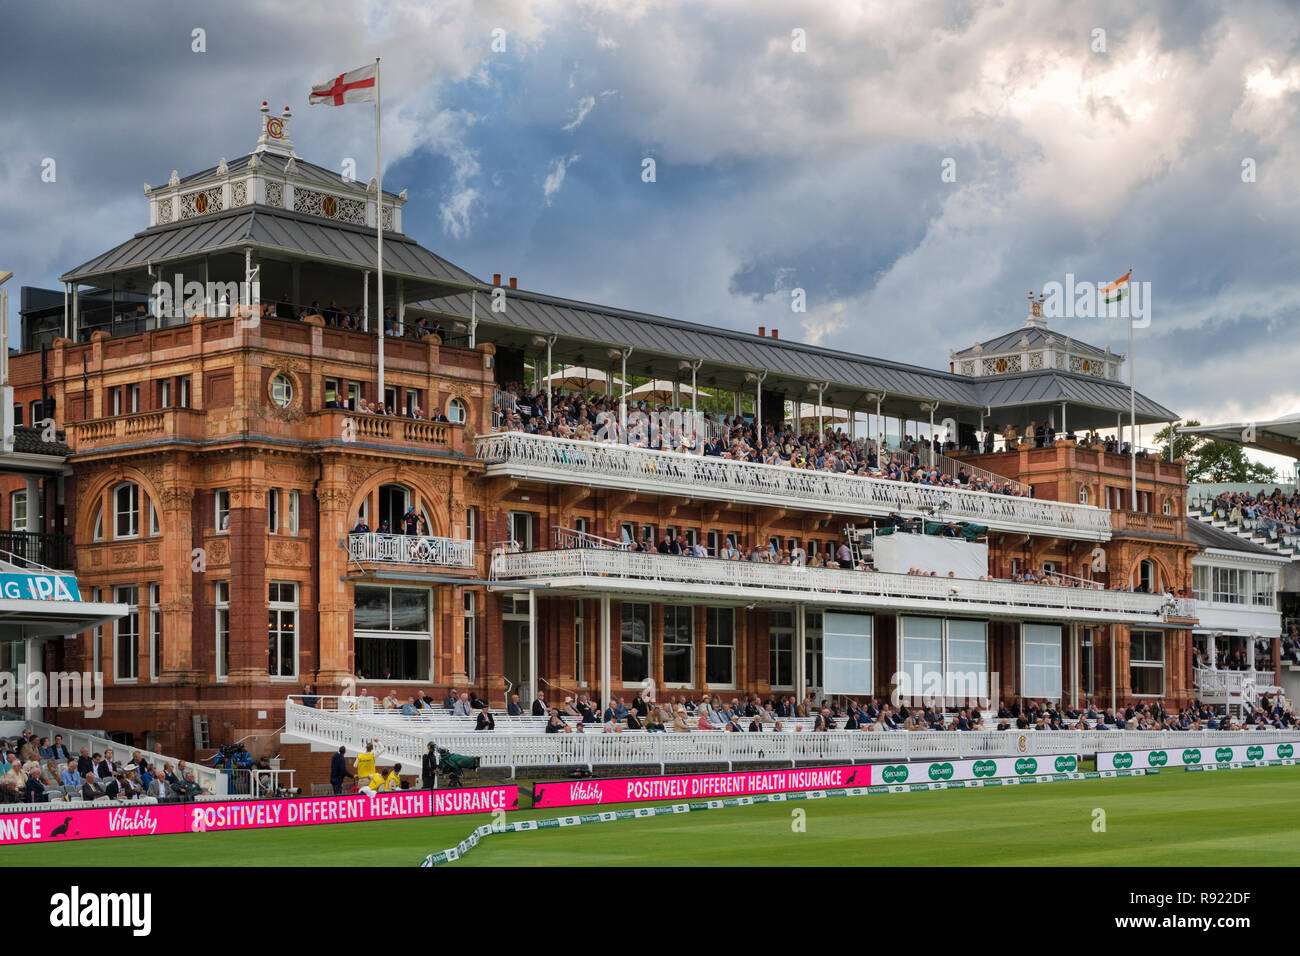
(411, 549)
(660, 472)
(868, 588)
(1214, 682)
(569, 538)
(638, 748)
(209, 778)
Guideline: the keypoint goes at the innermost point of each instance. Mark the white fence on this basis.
(411, 549)
(659, 472)
(407, 744)
(1044, 601)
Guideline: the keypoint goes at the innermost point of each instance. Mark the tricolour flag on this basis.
(1114, 291)
(359, 86)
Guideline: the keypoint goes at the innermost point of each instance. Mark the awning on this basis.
(22, 617)
(1281, 436)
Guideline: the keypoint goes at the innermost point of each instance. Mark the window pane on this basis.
(371, 612)
(410, 610)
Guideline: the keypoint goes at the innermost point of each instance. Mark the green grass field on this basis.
(1245, 817)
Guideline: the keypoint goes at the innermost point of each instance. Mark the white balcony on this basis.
(597, 464)
(410, 549)
(1217, 686)
(661, 577)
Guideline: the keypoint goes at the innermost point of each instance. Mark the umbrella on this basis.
(661, 390)
(581, 379)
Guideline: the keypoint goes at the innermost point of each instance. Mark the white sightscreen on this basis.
(847, 653)
(967, 665)
(921, 655)
(1042, 658)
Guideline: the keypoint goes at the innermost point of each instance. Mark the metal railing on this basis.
(564, 538)
(564, 460)
(38, 549)
(606, 566)
(1216, 682)
(639, 748)
(411, 549)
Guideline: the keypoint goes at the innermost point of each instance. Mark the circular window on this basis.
(456, 411)
(282, 390)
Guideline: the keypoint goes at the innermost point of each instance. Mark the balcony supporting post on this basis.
(604, 648)
(532, 644)
(365, 300)
(1209, 649)
(800, 652)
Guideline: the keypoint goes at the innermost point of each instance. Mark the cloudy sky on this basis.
(796, 145)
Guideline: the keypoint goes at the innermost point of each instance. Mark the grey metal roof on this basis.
(1037, 337)
(275, 163)
(1208, 536)
(1056, 386)
(585, 326)
(276, 230)
(27, 441)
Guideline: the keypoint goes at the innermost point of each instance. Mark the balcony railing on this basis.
(38, 549)
(410, 549)
(161, 424)
(614, 570)
(1216, 685)
(659, 472)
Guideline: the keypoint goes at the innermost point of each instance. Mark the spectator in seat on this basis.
(557, 726)
(159, 788)
(91, 787)
(361, 526)
(539, 705)
(485, 720)
(71, 777)
(514, 709)
(462, 708)
(85, 766)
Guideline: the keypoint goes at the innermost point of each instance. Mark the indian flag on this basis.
(1114, 291)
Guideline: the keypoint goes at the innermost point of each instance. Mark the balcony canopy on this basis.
(586, 332)
(1280, 436)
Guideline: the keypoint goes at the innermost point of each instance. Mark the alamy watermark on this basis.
(66, 690)
(917, 686)
(188, 300)
(1122, 299)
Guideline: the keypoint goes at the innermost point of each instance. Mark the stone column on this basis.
(178, 659)
(334, 602)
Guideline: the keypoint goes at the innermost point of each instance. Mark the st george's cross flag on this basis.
(359, 86)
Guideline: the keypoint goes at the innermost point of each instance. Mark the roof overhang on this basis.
(23, 618)
(1280, 436)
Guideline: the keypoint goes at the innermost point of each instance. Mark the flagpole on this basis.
(379, 230)
(1132, 405)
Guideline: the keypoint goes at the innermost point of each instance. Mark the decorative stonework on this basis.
(239, 194)
(201, 202)
(275, 194)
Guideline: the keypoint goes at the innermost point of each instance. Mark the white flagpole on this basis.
(1132, 406)
(379, 230)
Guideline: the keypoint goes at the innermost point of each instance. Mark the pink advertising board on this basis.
(59, 823)
(582, 793)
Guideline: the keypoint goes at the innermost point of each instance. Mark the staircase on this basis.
(1287, 546)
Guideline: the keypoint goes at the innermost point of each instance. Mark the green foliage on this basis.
(1214, 461)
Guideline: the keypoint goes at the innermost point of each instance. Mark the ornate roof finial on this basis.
(222, 168)
(147, 189)
(174, 179)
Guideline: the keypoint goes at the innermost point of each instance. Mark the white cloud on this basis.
(579, 113)
(555, 176)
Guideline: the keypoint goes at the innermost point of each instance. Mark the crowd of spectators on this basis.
(1275, 514)
(582, 713)
(591, 417)
(36, 770)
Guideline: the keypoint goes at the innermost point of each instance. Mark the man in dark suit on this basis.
(539, 705)
(429, 767)
(85, 766)
(514, 708)
(339, 770)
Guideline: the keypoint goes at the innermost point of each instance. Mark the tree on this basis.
(1214, 461)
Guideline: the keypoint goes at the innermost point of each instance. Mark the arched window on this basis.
(456, 411)
(1168, 506)
(1083, 494)
(394, 500)
(126, 510)
(1148, 579)
(98, 533)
